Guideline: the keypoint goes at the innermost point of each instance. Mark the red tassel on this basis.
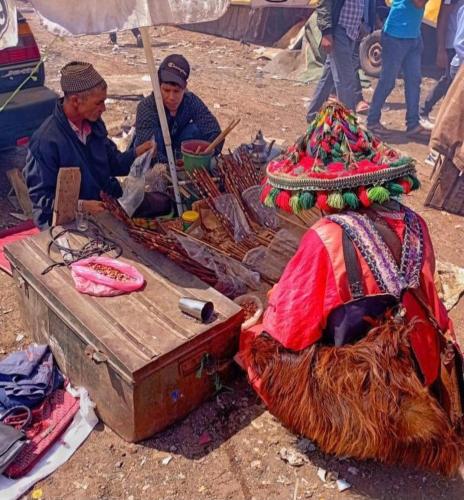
(405, 185)
(283, 201)
(363, 198)
(264, 192)
(321, 202)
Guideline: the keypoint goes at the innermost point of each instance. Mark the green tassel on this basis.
(405, 160)
(351, 199)
(378, 194)
(307, 200)
(395, 189)
(295, 204)
(268, 202)
(271, 197)
(335, 200)
(415, 182)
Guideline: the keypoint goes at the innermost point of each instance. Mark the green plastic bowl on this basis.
(193, 160)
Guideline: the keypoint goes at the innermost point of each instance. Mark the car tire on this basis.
(370, 54)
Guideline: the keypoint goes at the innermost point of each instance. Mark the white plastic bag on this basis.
(134, 184)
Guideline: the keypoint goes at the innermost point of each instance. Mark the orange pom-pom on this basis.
(363, 198)
(283, 201)
(321, 202)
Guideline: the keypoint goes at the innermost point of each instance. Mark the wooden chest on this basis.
(144, 363)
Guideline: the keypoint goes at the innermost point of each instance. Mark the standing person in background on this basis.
(401, 50)
(446, 31)
(340, 23)
(135, 32)
(458, 59)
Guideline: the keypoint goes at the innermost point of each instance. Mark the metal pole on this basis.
(161, 113)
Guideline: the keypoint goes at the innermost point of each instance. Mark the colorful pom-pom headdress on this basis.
(337, 165)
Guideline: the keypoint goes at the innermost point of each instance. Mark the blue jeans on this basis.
(397, 54)
(339, 70)
(189, 132)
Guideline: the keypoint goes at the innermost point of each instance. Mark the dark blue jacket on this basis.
(55, 145)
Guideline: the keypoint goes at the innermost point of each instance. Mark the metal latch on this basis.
(95, 355)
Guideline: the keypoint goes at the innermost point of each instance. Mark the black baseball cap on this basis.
(174, 69)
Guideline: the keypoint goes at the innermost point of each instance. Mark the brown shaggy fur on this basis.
(364, 400)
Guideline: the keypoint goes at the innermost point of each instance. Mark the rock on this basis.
(306, 445)
(322, 474)
(343, 485)
(292, 457)
(256, 464)
(166, 460)
(119, 464)
(145, 487)
(20, 337)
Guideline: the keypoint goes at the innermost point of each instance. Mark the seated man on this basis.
(356, 352)
(187, 115)
(75, 136)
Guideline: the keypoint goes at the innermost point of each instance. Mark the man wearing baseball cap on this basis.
(187, 115)
(75, 136)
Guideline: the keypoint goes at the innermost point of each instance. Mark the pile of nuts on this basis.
(250, 309)
(110, 272)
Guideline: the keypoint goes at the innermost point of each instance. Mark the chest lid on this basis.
(134, 331)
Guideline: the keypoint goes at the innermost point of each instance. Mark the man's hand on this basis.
(143, 148)
(327, 43)
(92, 207)
(420, 4)
(442, 59)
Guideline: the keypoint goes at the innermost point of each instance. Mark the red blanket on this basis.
(12, 234)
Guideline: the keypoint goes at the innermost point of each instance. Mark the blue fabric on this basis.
(339, 69)
(397, 54)
(55, 145)
(192, 117)
(404, 20)
(28, 377)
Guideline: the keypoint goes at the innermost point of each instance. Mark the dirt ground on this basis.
(241, 459)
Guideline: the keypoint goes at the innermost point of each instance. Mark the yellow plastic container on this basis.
(189, 217)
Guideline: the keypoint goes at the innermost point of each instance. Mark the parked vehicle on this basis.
(29, 108)
(370, 50)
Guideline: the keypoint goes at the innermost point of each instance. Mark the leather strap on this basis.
(353, 267)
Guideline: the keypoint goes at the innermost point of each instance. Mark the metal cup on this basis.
(198, 309)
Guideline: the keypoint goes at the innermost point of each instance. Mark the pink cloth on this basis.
(12, 234)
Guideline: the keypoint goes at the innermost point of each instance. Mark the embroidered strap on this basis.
(390, 277)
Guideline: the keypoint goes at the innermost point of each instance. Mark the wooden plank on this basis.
(66, 195)
(18, 184)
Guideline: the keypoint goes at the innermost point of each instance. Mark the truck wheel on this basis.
(370, 54)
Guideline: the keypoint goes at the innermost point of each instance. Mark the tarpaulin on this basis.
(91, 17)
(8, 24)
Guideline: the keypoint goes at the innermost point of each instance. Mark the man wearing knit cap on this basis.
(75, 136)
(187, 115)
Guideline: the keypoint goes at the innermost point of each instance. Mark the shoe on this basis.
(426, 123)
(379, 130)
(362, 107)
(432, 158)
(418, 132)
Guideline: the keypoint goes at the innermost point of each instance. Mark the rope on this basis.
(96, 244)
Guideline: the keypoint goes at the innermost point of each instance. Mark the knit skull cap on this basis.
(78, 77)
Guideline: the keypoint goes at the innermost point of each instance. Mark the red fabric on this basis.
(49, 421)
(315, 282)
(14, 234)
